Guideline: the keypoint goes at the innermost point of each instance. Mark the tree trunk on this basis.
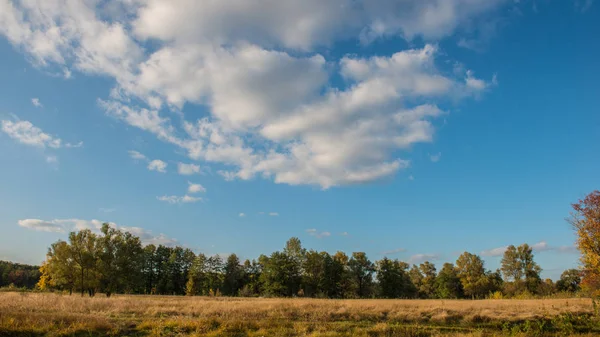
(82, 289)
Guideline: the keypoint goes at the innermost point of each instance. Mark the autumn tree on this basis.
(585, 220)
(473, 276)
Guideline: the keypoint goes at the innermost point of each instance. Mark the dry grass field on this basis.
(35, 314)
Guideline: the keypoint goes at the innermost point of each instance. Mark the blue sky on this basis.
(416, 130)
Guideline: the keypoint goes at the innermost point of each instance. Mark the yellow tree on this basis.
(586, 222)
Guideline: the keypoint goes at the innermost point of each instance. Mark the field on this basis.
(37, 314)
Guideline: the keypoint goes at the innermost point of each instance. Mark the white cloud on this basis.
(36, 103)
(344, 234)
(420, 258)
(174, 199)
(52, 159)
(43, 226)
(393, 251)
(157, 165)
(499, 251)
(435, 157)
(411, 177)
(538, 247)
(195, 188)
(317, 234)
(26, 133)
(274, 214)
(136, 155)
(543, 246)
(187, 169)
(69, 225)
(241, 215)
(236, 58)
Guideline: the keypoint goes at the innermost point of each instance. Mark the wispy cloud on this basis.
(393, 251)
(274, 214)
(36, 102)
(539, 247)
(136, 155)
(420, 258)
(344, 234)
(26, 133)
(174, 199)
(241, 215)
(317, 234)
(435, 157)
(498, 251)
(69, 225)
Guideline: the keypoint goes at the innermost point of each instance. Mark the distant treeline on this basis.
(18, 275)
(117, 262)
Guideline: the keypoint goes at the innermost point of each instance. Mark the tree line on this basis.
(115, 261)
(18, 275)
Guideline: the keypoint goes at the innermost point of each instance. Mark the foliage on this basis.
(585, 219)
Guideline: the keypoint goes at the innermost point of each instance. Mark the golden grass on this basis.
(36, 314)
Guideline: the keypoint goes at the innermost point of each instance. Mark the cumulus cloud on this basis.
(174, 199)
(317, 234)
(195, 188)
(36, 103)
(187, 169)
(69, 225)
(157, 165)
(236, 58)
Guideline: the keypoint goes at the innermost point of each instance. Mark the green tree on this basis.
(234, 276)
(429, 273)
(314, 274)
(393, 279)
(149, 269)
(447, 283)
(60, 268)
(361, 270)
(108, 251)
(83, 250)
(472, 274)
(520, 269)
(570, 281)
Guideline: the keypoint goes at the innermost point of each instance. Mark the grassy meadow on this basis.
(46, 314)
